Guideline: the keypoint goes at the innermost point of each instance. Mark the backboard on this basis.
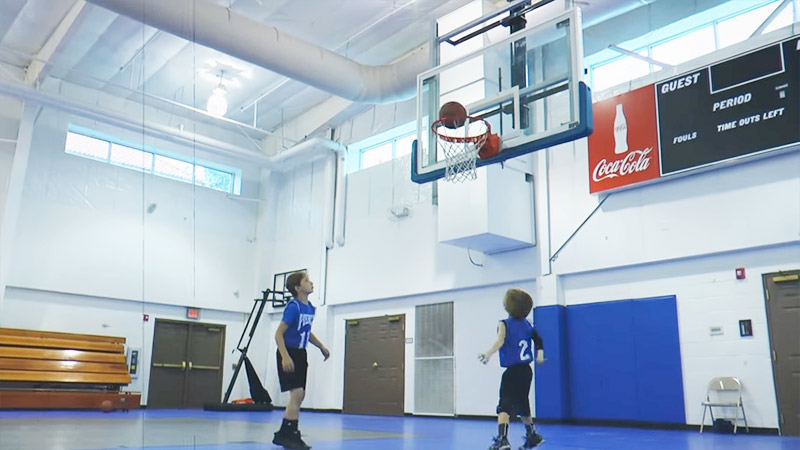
(526, 82)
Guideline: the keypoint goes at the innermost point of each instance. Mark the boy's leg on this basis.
(296, 397)
(289, 434)
(532, 438)
(504, 408)
(503, 420)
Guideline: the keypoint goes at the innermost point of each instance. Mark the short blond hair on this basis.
(518, 303)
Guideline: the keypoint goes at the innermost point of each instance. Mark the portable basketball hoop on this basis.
(463, 142)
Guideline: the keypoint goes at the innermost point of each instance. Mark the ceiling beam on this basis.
(775, 13)
(632, 54)
(39, 63)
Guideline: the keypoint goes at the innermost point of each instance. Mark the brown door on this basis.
(204, 380)
(168, 366)
(186, 368)
(374, 366)
(783, 315)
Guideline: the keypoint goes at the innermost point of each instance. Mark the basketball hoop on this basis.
(462, 146)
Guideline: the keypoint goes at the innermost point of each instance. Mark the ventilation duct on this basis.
(224, 30)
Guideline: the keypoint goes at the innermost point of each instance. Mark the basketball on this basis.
(453, 115)
(490, 148)
(106, 406)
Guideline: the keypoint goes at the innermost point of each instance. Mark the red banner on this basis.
(623, 148)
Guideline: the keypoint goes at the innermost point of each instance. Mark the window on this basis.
(685, 47)
(692, 37)
(131, 158)
(88, 144)
(381, 148)
(610, 74)
(377, 155)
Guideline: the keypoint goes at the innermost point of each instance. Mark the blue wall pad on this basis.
(551, 388)
(658, 356)
(624, 361)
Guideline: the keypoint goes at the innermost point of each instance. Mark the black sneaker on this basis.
(290, 439)
(532, 440)
(500, 443)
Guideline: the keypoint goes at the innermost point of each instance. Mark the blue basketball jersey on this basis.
(298, 317)
(517, 348)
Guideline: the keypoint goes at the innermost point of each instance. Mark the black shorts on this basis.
(514, 389)
(296, 379)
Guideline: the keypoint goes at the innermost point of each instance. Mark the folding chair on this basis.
(719, 386)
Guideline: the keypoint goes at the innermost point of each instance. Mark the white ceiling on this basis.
(105, 51)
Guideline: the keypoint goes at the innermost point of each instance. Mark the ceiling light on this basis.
(217, 103)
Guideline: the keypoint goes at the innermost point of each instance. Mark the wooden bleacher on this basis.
(49, 370)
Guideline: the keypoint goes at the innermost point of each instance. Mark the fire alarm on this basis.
(145, 317)
(740, 273)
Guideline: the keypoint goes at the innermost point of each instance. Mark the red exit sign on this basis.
(192, 313)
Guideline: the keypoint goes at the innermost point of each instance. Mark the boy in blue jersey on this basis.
(514, 336)
(292, 336)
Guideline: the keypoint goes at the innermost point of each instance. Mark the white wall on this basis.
(385, 258)
(84, 228)
(733, 208)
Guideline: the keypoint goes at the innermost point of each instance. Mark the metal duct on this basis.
(224, 30)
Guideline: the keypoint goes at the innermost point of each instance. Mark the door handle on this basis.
(374, 365)
(198, 367)
(190, 365)
(182, 365)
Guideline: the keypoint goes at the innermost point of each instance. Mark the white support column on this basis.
(19, 167)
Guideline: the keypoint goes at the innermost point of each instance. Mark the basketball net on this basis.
(460, 147)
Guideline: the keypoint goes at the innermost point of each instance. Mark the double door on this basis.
(186, 367)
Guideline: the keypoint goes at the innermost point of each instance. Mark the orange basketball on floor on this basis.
(106, 406)
(453, 114)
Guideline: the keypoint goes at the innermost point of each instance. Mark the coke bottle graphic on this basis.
(620, 132)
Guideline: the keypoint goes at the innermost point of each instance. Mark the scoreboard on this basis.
(733, 109)
(737, 107)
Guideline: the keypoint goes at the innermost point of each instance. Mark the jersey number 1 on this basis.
(304, 339)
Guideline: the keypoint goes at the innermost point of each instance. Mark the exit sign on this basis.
(192, 313)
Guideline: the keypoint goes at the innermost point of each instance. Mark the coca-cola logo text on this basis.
(634, 161)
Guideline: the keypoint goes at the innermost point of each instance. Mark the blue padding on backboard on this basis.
(624, 361)
(584, 128)
(551, 390)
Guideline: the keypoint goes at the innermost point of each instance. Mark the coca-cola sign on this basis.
(623, 149)
(635, 161)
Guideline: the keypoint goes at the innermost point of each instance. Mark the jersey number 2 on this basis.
(522, 355)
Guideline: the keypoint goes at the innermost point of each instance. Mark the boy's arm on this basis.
(538, 344)
(325, 353)
(501, 337)
(286, 360)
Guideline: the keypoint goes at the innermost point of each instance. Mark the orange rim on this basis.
(459, 139)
